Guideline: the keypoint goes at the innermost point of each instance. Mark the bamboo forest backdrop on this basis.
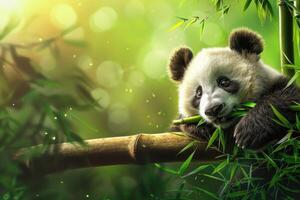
(75, 69)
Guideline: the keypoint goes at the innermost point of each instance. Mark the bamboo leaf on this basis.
(292, 80)
(191, 21)
(237, 194)
(76, 43)
(69, 30)
(9, 27)
(73, 137)
(208, 193)
(186, 164)
(197, 170)
(271, 161)
(202, 23)
(278, 122)
(281, 118)
(213, 177)
(297, 122)
(222, 138)
(249, 104)
(213, 137)
(175, 26)
(239, 113)
(233, 170)
(220, 166)
(187, 147)
(289, 189)
(247, 4)
(168, 170)
(202, 121)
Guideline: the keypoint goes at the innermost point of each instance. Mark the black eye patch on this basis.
(227, 84)
(197, 97)
(233, 87)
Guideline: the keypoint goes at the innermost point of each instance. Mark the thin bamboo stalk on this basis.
(286, 38)
(135, 149)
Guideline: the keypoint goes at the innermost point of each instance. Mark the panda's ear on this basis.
(179, 62)
(244, 40)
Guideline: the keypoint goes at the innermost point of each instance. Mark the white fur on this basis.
(252, 75)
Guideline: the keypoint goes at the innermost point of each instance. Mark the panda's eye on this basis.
(223, 82)
(198, 92)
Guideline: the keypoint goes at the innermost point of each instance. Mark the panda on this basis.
(216, 80)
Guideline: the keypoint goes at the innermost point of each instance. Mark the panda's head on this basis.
(216, 80)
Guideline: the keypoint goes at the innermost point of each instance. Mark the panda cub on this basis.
(216, 80)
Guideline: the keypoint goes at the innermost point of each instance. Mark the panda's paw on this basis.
(248, 134)
(195, 131)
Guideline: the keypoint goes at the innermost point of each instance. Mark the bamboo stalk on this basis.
(135, 149)
(286, 38)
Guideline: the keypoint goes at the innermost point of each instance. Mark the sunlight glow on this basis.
(10, 5)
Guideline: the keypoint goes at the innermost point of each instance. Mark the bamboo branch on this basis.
(286, 38)
(135, 149)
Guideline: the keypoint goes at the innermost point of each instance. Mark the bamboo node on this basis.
(133, 147)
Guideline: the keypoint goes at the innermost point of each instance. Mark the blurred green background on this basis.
(123, 47)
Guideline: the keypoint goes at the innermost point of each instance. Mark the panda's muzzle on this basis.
(214, 111)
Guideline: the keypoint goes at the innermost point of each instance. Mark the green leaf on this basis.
(197, 170)
(9, 27)
(191, 21)
(76, 43)
(168, 170)
(297, 122)
(186, 164)
(291, 66)
(292, 80)
(202, 23)
(208, 193)
(175, 26)
(237, 194)
(233, 170)
(214, 177)
(73, 137)
(271, 161)
(69, 30)
(249, 104)
(289, 189)
(222, 139)
(295, 107)
(187, 147)
(47, 83)
(281, 118)
(278, 122)
(239, 113)
(247, 4)
(213, 137)
(202, 121)
(220, 166)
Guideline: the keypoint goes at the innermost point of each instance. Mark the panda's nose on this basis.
(214, 110)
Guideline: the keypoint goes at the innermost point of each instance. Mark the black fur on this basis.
(202, 132)
(179, 62)
(257, 128)
(245, 40)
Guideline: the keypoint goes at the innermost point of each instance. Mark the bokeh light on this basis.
(103, 19)
(109, 74)
(63, 16)
(10, 5)
(102, 97)
(155, 63)
(85, 62)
